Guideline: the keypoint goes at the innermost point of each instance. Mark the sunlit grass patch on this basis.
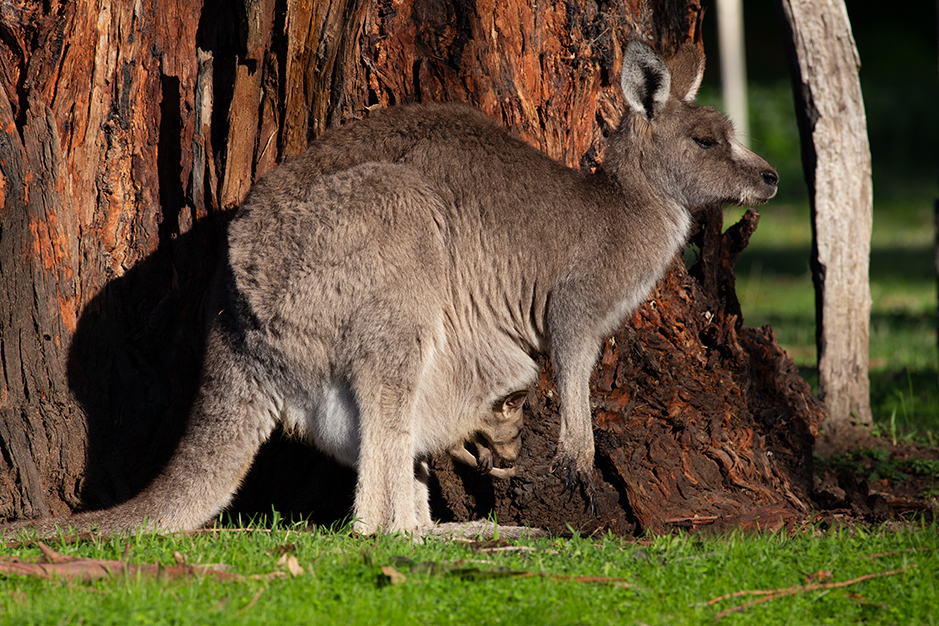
(809, 576)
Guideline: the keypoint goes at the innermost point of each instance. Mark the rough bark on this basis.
(837, 161)
(129, 132)
(97, 298)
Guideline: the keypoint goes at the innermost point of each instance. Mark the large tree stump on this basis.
(128, 131)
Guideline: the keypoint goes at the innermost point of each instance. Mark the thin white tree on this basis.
(837, 161)
(733, 65)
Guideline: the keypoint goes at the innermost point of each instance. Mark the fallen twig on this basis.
(56, 565)
(392, 575)
(604, 580)
(772, 594)
(508, 549)
(91, 536)
(60, 540)
(251, 602)
(877, 555)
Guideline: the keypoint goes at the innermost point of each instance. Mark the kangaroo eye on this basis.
(705, 142)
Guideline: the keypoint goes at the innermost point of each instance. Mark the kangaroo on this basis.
(385, 288)
(499, 434)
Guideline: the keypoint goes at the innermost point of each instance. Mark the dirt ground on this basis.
(878, 483)
(869, 486)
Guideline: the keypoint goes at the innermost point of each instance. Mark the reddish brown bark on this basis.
(128, 131)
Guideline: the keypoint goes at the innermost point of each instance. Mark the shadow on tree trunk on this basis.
(134, 366)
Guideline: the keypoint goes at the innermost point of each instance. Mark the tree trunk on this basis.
(936, 208)
(128, 134)
(733, 66)
(837, 160)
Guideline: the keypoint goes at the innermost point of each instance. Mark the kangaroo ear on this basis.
(646, 80)
(687, 68)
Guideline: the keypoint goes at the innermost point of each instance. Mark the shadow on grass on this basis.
(904, 263)
(906, 402)
(888, 264)
(784, 262)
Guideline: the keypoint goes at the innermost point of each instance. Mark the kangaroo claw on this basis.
(571, 476)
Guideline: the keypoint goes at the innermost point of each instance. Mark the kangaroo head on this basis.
(687, 151)
(501, 428)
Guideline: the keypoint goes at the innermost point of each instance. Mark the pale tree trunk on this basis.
(733, 65)
(837, 160)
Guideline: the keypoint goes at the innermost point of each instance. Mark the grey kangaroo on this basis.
(385, 288)
(497, 435)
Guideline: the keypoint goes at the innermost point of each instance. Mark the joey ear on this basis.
(646, 79)
(514, 401)
(687, 68)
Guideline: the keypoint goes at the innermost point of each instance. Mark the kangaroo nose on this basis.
(770, 177)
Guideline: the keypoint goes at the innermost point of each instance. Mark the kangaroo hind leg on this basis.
(387, 489)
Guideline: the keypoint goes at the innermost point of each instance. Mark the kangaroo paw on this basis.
(589, 489)
(567, 470)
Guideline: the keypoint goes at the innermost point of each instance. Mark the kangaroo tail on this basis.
(234, 413)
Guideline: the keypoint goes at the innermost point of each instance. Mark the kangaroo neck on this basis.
(649, 216)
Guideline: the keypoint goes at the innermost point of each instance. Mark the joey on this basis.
(499, 435)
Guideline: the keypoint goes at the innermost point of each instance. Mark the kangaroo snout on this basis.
(769, 186)
(764, 180)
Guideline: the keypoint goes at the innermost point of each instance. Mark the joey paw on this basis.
(502, 473)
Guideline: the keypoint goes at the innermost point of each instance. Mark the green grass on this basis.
(874, 464)
(665, 580)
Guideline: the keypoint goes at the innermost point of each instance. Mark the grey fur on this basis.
(385, 288)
